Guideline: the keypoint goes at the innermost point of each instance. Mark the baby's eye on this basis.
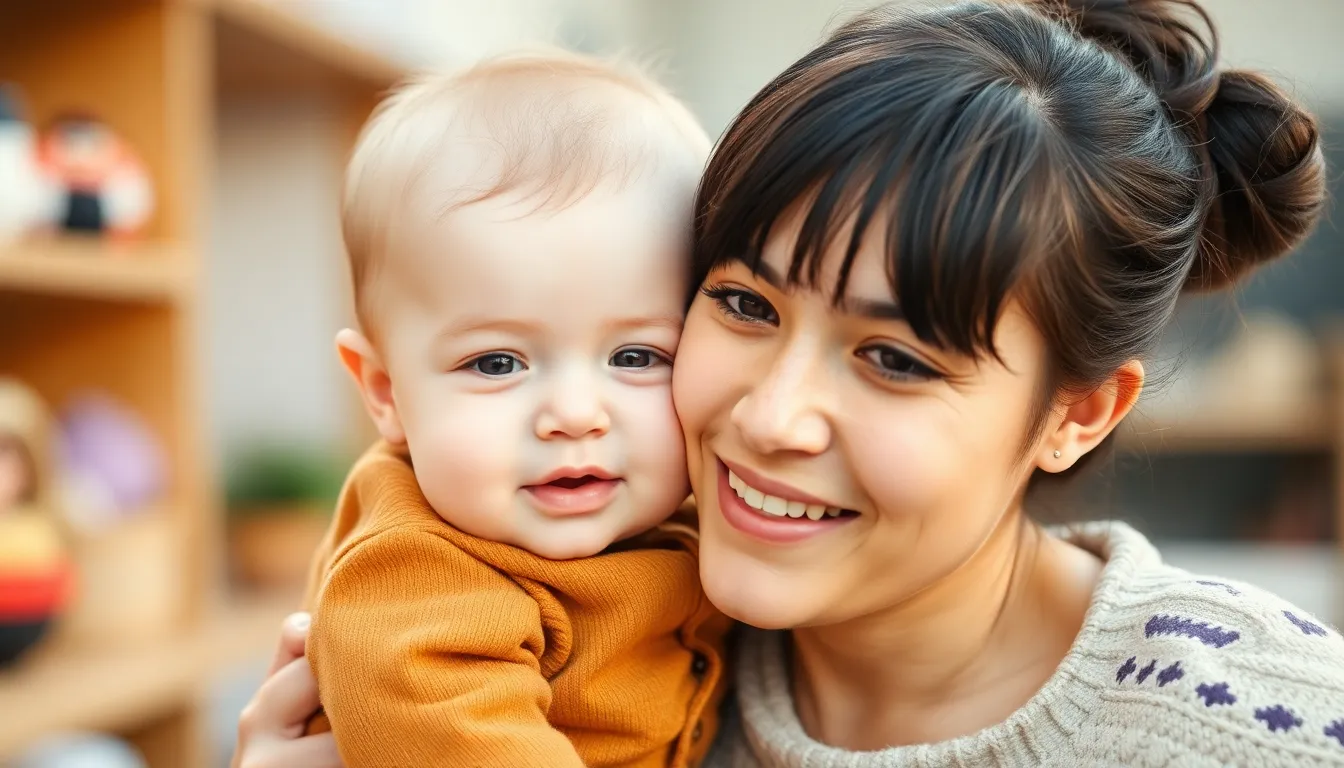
(496, 364)
(637, 357)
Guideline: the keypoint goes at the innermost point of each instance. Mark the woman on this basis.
(931, 256)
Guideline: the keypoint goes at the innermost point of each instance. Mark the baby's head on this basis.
(519, 238)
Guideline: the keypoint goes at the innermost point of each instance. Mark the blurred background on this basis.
(173, 423)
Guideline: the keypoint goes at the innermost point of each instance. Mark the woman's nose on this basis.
(783, 411)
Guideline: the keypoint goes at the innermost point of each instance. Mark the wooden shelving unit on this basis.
(124, 318)
(1304, 431)
(1313, 429)
(71, 267)
(64, 688)
(1311, 426)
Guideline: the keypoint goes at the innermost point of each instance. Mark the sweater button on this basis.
(698, 732)
(699, 664)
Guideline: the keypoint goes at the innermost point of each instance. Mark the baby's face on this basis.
(530, 360)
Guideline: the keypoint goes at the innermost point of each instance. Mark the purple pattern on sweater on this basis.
(1126, 669)
(1170, 674)
(1307, 627)
(1162, 624)
(1215, 694)
(1335, 731)
(1146, 671)
(1278, 718)
(1230, 589)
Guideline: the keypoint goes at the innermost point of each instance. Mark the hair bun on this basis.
(1261, 150)
(1170, 43)
(1269, 174)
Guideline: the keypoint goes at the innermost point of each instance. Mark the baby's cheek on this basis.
(653, 439)
(467, 458)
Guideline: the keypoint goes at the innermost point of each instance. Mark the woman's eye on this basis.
(636, 358)
(892, 363)
(742, 304)
(496, 364)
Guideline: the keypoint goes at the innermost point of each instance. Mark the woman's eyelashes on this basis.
(741, 304)
(895, 365)
(888, 362)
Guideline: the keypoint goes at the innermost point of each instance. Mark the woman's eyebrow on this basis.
(873, 309)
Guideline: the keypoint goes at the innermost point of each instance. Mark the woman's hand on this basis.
(270, 731)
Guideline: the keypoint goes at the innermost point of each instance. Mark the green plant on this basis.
(275, 476)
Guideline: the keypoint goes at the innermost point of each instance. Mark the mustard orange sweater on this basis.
(435, 648)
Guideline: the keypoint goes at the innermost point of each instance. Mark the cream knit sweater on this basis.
(1170, 669)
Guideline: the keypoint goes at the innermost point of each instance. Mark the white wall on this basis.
(275, 278)
(725, 50)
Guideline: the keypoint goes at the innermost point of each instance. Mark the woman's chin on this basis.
(752, 594)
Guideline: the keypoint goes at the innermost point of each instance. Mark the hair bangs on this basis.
(949, 175)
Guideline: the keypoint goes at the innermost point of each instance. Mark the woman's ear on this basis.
(365, 366)
(1087, 421)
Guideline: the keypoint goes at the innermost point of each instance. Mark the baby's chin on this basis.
(563, 548)
(571, 542)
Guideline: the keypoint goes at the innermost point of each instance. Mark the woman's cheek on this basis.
(906, 469)
(694, 385)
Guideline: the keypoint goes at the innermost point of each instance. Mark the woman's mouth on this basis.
(771, 517)
(777, 506)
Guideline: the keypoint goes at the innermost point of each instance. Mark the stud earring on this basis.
(1057, 454)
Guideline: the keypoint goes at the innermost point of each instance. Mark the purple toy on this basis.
(112, 454)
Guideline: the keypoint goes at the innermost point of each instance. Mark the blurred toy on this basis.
(26, 196)
(114, 466)
(105, 187)
(35, 568)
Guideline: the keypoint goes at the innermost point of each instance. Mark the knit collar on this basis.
(1037, 731)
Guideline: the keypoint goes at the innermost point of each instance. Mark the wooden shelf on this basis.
(115, 691)
(94, 269)
(264, 47)
(1306, 432)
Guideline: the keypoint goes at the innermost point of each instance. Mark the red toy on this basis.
(35, 568)
(105, 186)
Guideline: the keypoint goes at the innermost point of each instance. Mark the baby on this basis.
(506, 581)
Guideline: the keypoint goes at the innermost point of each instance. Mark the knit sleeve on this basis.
(1222, 670)
(425, 656)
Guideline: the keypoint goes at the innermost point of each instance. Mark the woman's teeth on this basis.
(773, 505)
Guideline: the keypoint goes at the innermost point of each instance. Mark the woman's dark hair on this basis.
(1086, 157)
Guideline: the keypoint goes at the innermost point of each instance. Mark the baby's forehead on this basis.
(616, 250)
(551, 137)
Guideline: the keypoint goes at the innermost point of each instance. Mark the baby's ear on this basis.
(361, 359)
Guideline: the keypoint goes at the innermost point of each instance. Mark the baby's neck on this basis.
(958, 657)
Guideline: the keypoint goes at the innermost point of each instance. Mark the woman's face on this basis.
(784, 394)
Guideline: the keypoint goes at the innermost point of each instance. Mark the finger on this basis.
(293, 638)
(310, 752)
(286, 700)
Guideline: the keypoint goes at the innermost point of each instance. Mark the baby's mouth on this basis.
(574, 495)
(572, 483)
